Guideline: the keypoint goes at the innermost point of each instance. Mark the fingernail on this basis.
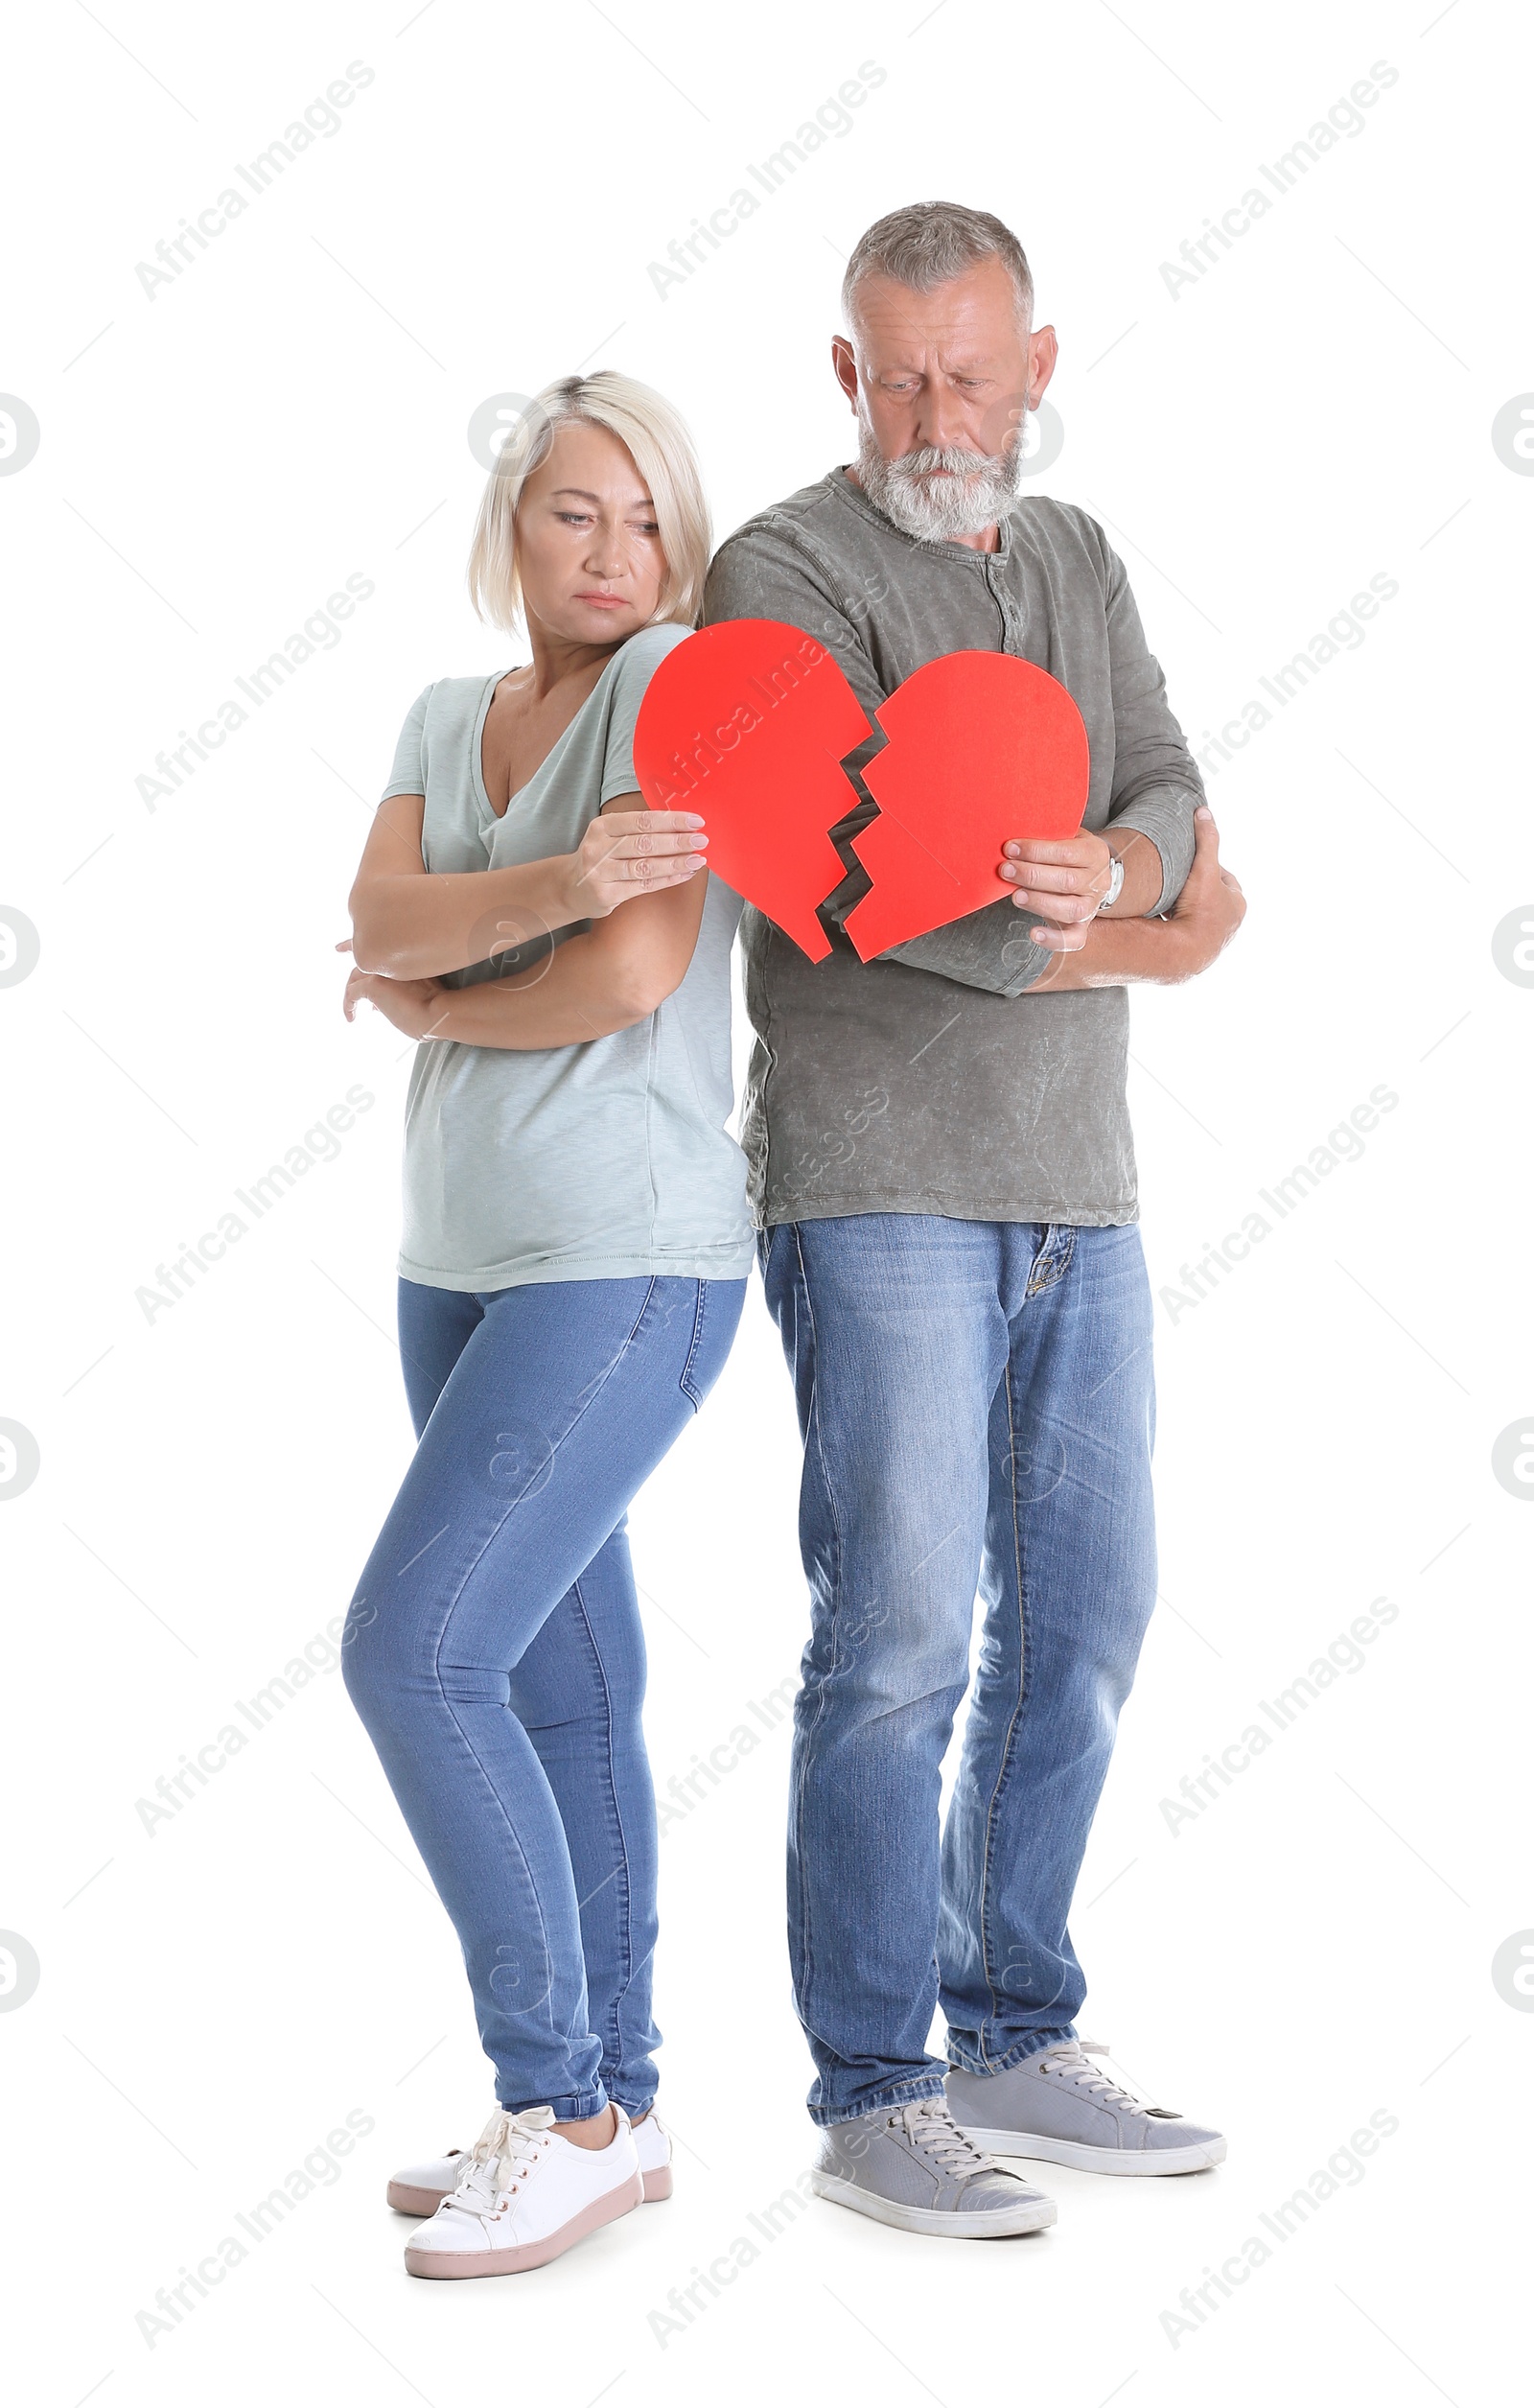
(1007, 870)
(1011, 852)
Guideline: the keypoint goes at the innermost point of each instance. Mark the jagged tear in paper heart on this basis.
(748, 722)
(982, 747)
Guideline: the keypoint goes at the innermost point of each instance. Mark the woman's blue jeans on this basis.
(495, 1654)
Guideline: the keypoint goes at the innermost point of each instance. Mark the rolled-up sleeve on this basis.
(1156, 785)
(993, 948)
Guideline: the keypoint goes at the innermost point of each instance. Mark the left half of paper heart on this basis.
(747, 723)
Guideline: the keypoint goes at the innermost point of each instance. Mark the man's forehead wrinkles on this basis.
(948, 357)
(907, 326)
(900, 338)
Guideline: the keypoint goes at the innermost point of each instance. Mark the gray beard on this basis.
(979, 491)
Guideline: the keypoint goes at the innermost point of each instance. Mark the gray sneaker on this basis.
(913, 2167)
(1058, 2105)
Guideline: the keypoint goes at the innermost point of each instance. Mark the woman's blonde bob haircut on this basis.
(662, 450)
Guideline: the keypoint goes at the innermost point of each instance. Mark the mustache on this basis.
(940, 491)
(947, 459)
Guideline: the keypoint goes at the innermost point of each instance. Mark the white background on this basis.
(1316, 1944)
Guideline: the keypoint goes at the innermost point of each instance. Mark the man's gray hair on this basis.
(931, 242)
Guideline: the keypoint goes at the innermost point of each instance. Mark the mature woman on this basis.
(573, 1264)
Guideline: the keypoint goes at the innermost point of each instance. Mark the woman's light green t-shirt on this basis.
(605, 1161)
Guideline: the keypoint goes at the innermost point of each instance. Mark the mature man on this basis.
(942, 1167)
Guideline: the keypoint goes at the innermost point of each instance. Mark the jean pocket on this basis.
(1053, 1257)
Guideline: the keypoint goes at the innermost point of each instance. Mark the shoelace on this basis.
(932, 2128)
(1071, 2060)
(507, 2144)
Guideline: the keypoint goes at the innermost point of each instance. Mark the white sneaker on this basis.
(653, 2142)
(524, 2195)
(420, 2190)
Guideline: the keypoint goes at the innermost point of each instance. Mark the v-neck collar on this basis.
(490, 818)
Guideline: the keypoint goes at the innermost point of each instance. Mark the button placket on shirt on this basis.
(994, 563)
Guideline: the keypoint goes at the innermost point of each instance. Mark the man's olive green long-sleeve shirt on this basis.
(930, 1079)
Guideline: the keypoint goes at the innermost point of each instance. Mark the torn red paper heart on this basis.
(749, 721)
(982, 746)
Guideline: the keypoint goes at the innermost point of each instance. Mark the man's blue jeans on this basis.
(977, 1410)
(495, 1652)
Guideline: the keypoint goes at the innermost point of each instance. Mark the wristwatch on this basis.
(1115, 883)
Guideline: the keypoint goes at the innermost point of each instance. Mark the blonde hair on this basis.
(661, 447)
